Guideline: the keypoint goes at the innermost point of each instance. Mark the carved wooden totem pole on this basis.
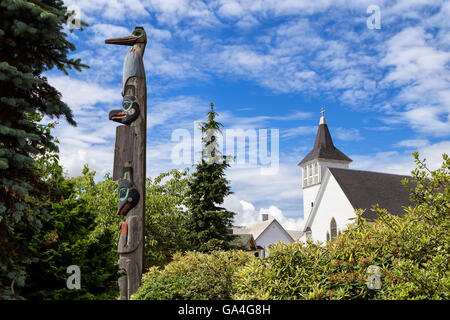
(129, 161)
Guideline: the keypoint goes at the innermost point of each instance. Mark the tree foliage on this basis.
(166, 216)
(73, 232)
(209, 223)
(71, 235)
(32, 42)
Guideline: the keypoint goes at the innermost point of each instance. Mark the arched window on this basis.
(333, 229)
(328, 236)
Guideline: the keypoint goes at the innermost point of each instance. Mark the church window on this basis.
(316, 173)
(305, 177)
(333, 229)
(328, 236)
(311, 174)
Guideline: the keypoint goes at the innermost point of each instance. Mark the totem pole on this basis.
(129, 162)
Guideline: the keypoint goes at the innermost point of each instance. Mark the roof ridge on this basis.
(377, 172)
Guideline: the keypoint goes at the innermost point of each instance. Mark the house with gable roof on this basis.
(266, 233)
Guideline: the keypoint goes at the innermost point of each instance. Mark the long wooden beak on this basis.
(125, 41)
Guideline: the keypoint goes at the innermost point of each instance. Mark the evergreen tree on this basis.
(209, 223)
(32, 41)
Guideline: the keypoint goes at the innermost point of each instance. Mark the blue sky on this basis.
(267, 64)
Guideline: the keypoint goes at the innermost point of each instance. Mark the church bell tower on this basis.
(324, 154)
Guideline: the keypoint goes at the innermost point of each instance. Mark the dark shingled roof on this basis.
(365, 188)
(324, 147)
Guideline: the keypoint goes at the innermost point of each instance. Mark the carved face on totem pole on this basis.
(128, 194)
(130, 108)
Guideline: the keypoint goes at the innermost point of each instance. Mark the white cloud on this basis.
(298, 131)
(231, 121)
(230, 9)
(247, 215)
(420, 70)
(87, 144)
(397, 162)
(412, 143)
(412, 57)
(287, 223)
(108, 9)
(348, 134)
(81, 95)
(247, 22)
(173, 11)
(103, 31)
(433, 120)
(282, 189)
(175, 112)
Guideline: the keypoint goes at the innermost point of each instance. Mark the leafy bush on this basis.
(165, 217)
(413, 258)
(159, 286)
(195, 276)
(72, 234)
(411, 251)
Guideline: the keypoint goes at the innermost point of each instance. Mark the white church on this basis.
(331, 194)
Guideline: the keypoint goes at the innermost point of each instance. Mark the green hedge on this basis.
(412, 256)
(194, 276)
(411, 252)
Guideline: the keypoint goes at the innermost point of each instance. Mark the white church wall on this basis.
(309, 195)
(273, 234)
(334, 204)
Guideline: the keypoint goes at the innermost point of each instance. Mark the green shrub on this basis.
(79, 229)
(194, 276)
(71, 236)
(412, 252)
(158, 286)
(412, 256)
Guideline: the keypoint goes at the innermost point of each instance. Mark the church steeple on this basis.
(323, 155)
(323, 145)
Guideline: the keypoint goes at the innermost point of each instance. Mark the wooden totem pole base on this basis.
(131, 148)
